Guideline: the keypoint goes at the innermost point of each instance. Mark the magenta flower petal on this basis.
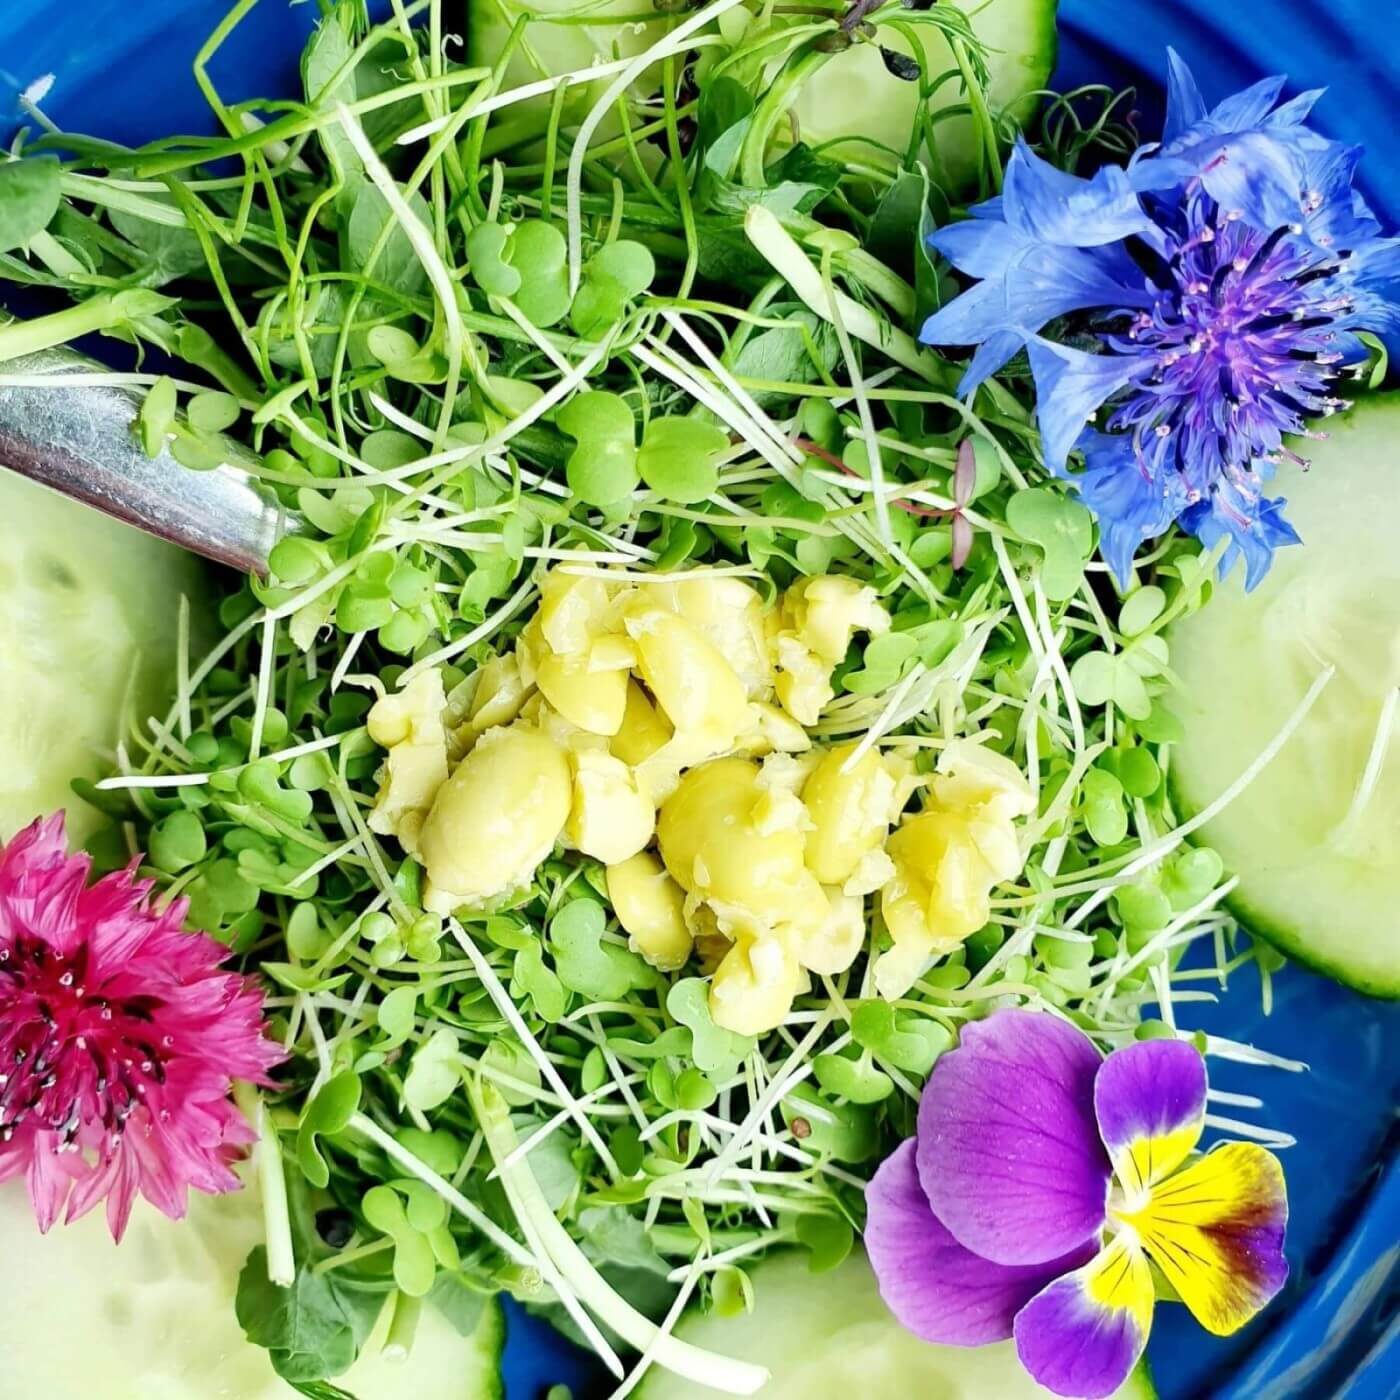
(1150, 1100)
(1008, 1148)
(120, 1034)
(935, 1288)
(1083, 1334)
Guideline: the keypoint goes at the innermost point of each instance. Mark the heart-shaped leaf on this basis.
(1063, 529)
(595, 969)
(715, 1051)
(910, 1043)
(678, 458)
(854, 1078)
(486, 247)
(336, 1102)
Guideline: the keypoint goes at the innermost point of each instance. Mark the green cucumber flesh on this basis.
(88, 611)
(830, 1337)
(153, 1318)
(850, 98)
(564, 36)
(1319, 871)
(855, 101)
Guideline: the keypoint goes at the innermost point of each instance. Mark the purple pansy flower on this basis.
(1043, 1179)
(1228, 271)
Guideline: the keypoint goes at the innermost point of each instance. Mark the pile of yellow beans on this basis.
(674, 715)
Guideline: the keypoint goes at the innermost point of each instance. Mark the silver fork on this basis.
(61, 429)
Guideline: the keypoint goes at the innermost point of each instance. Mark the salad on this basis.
(713, 820)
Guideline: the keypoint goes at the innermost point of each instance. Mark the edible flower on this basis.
(1228, 269)
(119, 1039)
(1041, 1182)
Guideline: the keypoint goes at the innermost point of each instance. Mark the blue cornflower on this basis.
(1227, 270)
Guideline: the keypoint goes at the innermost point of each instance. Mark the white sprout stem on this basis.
(511, 96)
(167, 780)
(786, 256)
(421, 238)
(1164, 845)
(506, 1006)
(272, 1186)
(266, 653)
(1269, 1136)
(633, 69)
(874, 461)
(1370, 775)
(692, 1363)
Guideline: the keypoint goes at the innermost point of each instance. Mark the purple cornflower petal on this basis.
(934, 1287)
(1083, 1334)
(1133, 498)
(1050, 206)
(1008, 1148)
(1071, 386)
(1226, 274)
(1150, 1100)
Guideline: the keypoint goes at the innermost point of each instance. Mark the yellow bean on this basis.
(496, 818)
(651, 907)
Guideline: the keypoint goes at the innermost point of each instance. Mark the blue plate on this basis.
(122, 70)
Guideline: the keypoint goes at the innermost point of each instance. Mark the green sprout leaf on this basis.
(434, 1072)
(910, 1043)
(29, 198)
(677, 458)
(715, 1051)
(586, 964)
(335, 1104)
(1062, 528)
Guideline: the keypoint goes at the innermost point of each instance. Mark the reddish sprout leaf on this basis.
(962, 540)
(965, 475)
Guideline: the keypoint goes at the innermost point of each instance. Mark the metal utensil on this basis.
(75, 437)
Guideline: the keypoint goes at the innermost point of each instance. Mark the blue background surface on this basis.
(122, 71)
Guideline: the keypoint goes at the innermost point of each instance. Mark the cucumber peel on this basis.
(831, 1337)
(1315, 840)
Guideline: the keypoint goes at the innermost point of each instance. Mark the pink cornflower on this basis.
(119, 1040)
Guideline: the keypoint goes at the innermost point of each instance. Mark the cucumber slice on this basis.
(563, 36)
(830, 1337)
(853, 98)
(88, 608)
(152, 1318)
(1318, 860)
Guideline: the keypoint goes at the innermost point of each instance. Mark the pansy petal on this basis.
(1008, 1150)
(1150, 1100)
(1216, 1231)
(1083, 1334)
(934, 1287)
(1072, 385)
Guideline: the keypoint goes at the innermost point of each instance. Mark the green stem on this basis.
(102, 313)
(779, 247)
